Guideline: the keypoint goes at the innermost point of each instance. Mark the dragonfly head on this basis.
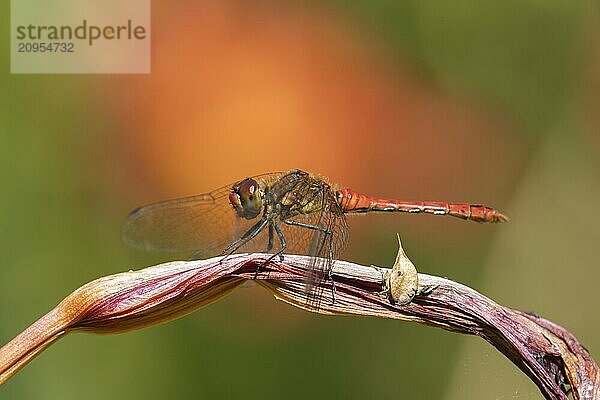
(246, 198)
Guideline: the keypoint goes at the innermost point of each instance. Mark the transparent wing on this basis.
(299, 239)
(204, 224)
(326, 247)
(185, 224)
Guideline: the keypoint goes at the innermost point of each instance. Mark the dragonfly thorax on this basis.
(246, 198)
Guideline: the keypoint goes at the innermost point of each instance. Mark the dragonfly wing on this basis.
(203, 225)
(186, 224)
(325, 247)
(325, 242)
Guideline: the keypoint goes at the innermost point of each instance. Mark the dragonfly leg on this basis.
(246, 237)
(270, 244)
(282, 241)
(329, 239)
(330, 268)
(273, 226)
(308, 226)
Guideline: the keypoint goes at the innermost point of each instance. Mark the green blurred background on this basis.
(493, 102)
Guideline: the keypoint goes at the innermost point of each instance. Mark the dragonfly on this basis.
(295, 212)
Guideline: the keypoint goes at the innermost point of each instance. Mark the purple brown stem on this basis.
(548, 354)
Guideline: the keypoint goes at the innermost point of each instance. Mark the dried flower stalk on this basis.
(552, 357)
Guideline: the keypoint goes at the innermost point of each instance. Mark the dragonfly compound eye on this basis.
(247, 198)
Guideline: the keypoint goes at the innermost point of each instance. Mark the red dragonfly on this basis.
(294, 212)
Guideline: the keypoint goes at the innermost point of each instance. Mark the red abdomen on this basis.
(354, 202)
